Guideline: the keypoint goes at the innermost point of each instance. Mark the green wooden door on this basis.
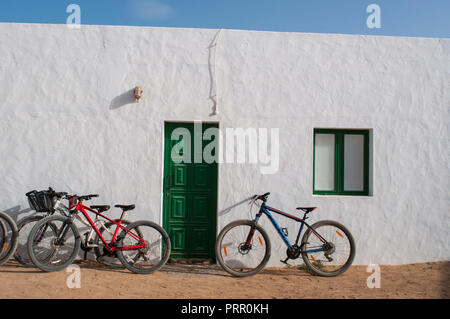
(189, 194)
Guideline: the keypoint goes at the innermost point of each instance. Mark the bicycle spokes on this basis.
(242, 251)
(144, 248)
(332, 255)
(243, 247)
(55, 243)
(104, 255)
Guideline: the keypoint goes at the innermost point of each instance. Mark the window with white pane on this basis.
(341, 162)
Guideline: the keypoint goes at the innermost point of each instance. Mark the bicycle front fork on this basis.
(64, 229)
(248, 241)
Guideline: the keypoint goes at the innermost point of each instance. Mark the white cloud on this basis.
(150, 10)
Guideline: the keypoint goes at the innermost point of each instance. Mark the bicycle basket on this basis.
(40, 201)
(73, 200)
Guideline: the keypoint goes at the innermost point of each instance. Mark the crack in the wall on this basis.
(212, 48)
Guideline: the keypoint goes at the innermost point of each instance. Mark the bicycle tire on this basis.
(45, 265)
(3, 234)
(311, 265)
(218, 249)
(98, 242)
(166, 247)
(22, 255)
(11, 244)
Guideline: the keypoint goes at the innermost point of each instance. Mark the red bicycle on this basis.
(54, 242)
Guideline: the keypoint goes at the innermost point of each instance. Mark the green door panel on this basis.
(189, 195)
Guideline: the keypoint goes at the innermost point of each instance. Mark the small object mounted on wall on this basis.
(138, 93)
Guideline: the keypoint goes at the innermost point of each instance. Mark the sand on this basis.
(174, 281)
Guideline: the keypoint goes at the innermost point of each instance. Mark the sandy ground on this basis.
(425, 280)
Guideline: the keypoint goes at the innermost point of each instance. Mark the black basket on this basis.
(41, 201)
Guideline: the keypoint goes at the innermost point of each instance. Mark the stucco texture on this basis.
(68, 120)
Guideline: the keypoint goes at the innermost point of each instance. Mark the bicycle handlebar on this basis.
(87, 197)
(60, 194)
(262, 197)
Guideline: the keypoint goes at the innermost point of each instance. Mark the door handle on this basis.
(169, 181)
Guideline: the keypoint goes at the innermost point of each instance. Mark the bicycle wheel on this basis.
(3, 234)
(338, 255)
(104, 257)
(152, 256)
(49, 251)
(24, 227)
(234, 256)
(8, 237)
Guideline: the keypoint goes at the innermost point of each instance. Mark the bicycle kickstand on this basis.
(285, 261)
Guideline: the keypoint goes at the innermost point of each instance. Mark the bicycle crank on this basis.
(107, 252)
(292, 253)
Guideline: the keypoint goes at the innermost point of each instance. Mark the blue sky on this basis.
(417, 18)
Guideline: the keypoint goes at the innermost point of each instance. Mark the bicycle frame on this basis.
(57, 207)
(62, 209)
(110, 246)
(265, 209)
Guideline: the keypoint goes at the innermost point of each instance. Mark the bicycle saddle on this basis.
(101, 208)
(307, 209)
(126, 207)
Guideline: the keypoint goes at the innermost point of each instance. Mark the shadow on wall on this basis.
(122, 100)
(230, 208)
(15, 211)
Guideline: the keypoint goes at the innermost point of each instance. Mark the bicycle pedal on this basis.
(285, 262)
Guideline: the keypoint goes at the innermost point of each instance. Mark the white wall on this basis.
(67, 120)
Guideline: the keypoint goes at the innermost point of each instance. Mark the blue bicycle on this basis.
(243, 246)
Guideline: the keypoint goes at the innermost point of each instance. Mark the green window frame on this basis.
(339, 160)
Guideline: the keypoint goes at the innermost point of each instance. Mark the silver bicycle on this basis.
(50, 202)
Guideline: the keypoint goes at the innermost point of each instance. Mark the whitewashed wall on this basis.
(67, 119)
